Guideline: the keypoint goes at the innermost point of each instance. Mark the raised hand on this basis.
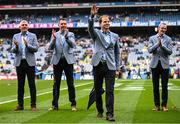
(94, 10)
(54, 33)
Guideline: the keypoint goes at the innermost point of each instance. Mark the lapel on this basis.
(20, 39)
(111, 36)
(105, 44)
(163, 40)
(60, 38)
(155, 39)
(28, 37)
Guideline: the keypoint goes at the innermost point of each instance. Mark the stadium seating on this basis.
(138, 57)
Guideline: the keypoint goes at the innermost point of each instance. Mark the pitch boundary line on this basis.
(40, 94)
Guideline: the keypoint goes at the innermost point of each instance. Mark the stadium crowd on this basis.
(142, 16)
(134, 58)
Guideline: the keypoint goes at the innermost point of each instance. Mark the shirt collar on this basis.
(160, 36)
(25, 33)
(61, 32)
(108, 32)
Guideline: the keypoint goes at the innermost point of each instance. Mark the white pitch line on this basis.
(40, 94)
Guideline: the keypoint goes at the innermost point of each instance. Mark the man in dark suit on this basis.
(24, 46)
(105, 62)
(160, 45)
(63, 42)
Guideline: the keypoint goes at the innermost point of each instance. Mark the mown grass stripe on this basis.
(43, 105)
(40, 94)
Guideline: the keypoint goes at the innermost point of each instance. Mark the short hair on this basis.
(162, 23)
(23, 21)
(63, 19)
(100, 18)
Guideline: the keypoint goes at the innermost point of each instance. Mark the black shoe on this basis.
(100, 115)
(19, 108)
(53, 108)
(110, 118)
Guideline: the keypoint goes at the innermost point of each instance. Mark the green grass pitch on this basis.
(133, 103)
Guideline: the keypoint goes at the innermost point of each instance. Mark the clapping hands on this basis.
(54, 34)
(15, 43)
(159, 42)
(66, 33)
(25, 41)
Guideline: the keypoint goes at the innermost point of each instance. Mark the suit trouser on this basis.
(101, 71)
(23, 70)
(68, 69)
(156, 73)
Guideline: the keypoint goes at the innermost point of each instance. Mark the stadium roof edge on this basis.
(56, 6)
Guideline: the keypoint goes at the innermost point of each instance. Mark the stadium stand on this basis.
(133, 36)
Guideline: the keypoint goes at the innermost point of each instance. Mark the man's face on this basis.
(162, 29)
(105, 23)
(24, 26)
(63, 25)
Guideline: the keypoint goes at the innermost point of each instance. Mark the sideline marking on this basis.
(40, 94)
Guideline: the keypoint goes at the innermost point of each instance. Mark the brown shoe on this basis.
(19, 108)
(110, 118)
(73, 108)
(33, 108)
(53, 108)
(156, 108)
(164, 109)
